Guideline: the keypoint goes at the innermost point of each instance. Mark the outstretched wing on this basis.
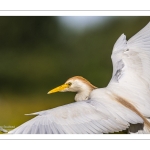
(131, 69)
(91, 116)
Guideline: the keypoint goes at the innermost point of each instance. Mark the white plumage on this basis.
(123, 104)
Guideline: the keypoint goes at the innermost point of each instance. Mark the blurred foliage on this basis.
(38, 54)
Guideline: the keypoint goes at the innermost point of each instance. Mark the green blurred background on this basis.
(40, 53)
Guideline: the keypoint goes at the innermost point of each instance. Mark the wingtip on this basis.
(3, 130)
(120, 43)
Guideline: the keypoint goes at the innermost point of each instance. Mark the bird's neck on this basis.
(83, 94)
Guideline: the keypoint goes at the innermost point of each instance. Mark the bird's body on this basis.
(123, 104)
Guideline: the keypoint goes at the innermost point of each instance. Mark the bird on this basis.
(124, 104)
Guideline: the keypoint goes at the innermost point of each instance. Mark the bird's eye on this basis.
(69, 83)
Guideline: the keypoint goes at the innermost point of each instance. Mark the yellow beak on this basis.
(59, 88)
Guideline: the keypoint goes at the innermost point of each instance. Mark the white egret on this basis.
(123, 104)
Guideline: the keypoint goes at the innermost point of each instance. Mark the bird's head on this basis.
(76, 84)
